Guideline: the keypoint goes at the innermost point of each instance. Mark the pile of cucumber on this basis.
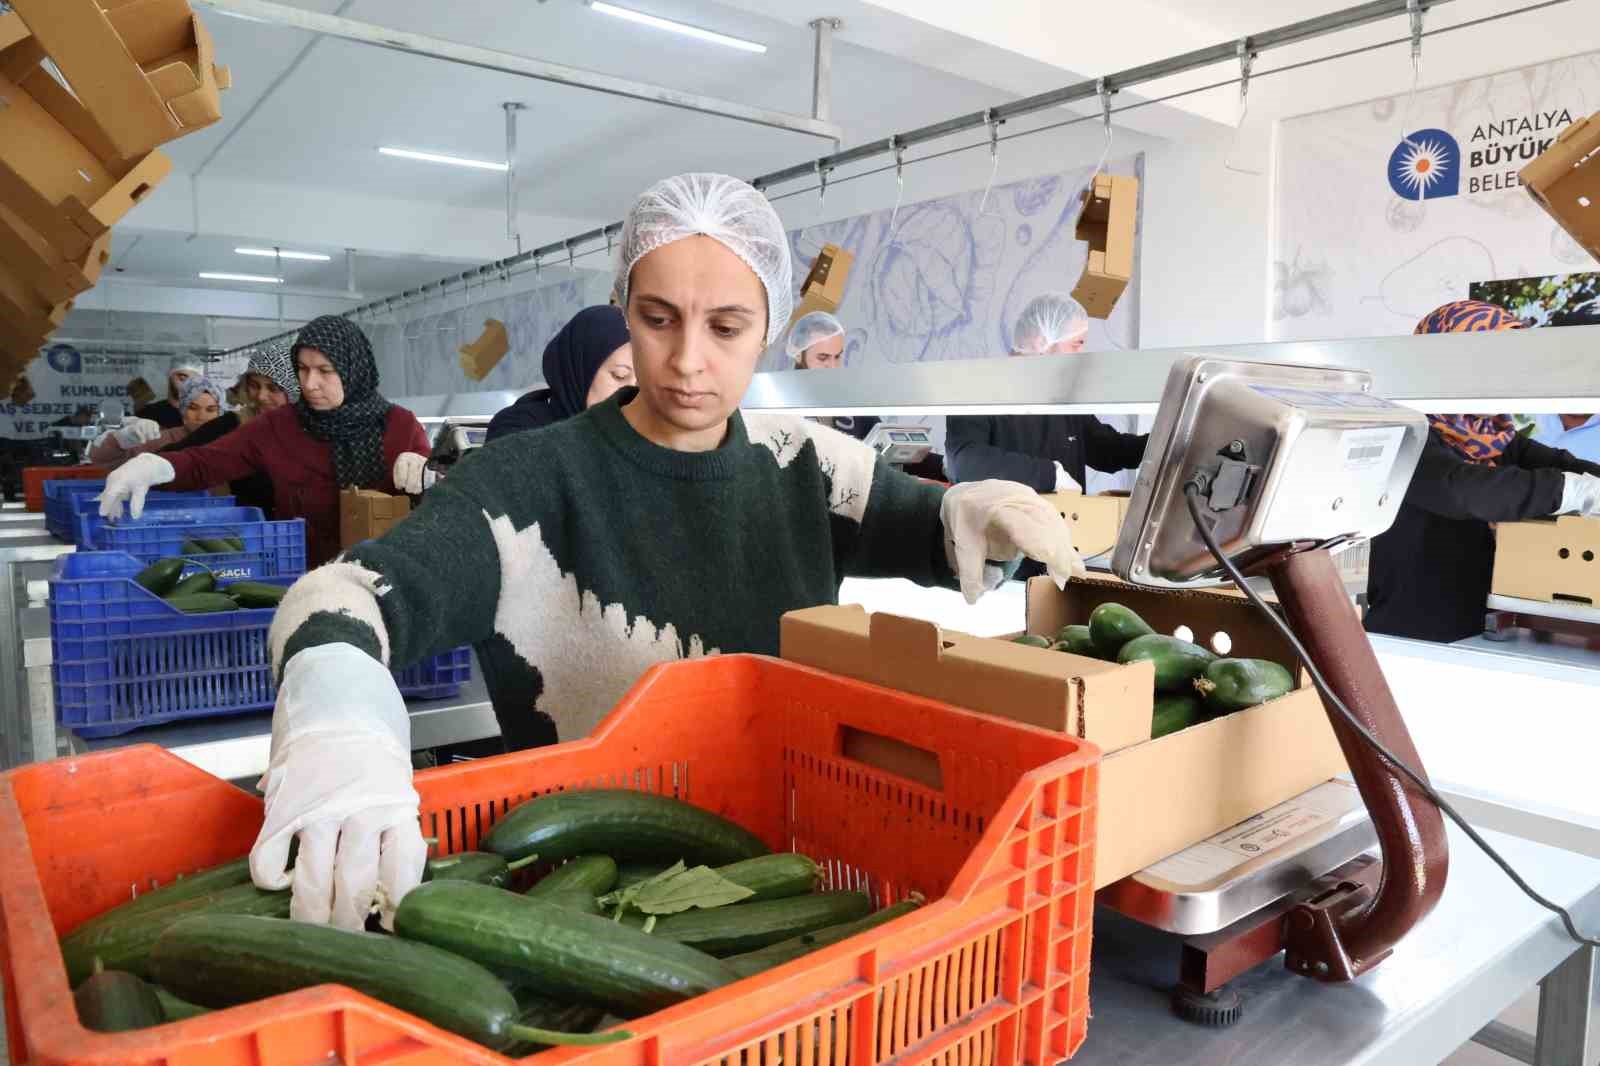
(564, 961)
(1191, 683)
(199, 593)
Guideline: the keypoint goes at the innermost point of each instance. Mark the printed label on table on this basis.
(1257, 836)
(1363, 449)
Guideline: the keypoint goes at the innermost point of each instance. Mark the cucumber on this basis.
(1177, 662)
(1075, 640)
(574, 899)
(202, 883)
(776, 876)
(116, 1002)
(218, 960)
(556, 951)
(483, 867)
(216, 545)
(745, 927)
(203, 603)
(1031, 641)
(160, 576)
(175, 1009)
(193, 585)
(594, 874)
(621, 823)
(1112, 625)
(250, 594)
(235, 544)
(631, 873)
(125, 945)
(1234, 684)
(192, 547)
(763, 959)
(1174, 711)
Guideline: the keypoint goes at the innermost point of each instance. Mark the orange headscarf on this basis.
(1476, 438)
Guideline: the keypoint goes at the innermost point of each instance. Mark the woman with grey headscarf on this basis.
(269, 382)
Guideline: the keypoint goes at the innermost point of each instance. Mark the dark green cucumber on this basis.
(160, 576)
(622, 823)
(251, 594)
(201, 883)
(175, 1009)
(1177, 662)
(1174, 711)
(484, 867)
(555, 951)
(192, 547)
(235, 544)
(1075, 640)
(1112, 625)
(763, 959)
(193, 585)
(116, 1002)
(1031, 641)
(203, 603)
(631, 873)
(576, 899)
(1233, 684)
(594, 874)
(125, 945)
(746, 927)
(774, 876)
(218, 960)
(217, 545)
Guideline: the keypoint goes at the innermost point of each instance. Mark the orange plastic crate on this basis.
(994, 971)
(34, 477)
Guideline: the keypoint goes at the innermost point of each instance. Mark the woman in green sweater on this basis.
(658, 525)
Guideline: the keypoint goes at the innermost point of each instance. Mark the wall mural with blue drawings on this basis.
(950, 277)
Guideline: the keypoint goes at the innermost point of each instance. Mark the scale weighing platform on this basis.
(901, 444)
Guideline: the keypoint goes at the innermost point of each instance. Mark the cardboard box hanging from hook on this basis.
(484, 354)
(1565, 181)
(1109, 223)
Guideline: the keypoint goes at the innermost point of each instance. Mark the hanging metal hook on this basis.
(1415, 9)
(1247, 62)
(994, 156)
(822, 181)
(568, 246)
(899, 151)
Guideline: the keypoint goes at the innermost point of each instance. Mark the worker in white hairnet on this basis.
(816, 342)
(533, 552)
(1050, 453)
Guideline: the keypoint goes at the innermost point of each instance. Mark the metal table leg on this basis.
(1566, 1035)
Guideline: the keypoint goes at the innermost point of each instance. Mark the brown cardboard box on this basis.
(144, 68)
(1094, 520)
(22, 309)
(59, 173)
(366, 513)
(1549, 559)
(484, 354)
(12, 29)
(824, 285)
(1157, 797)
(1108, 223)
(38, 265)
(1565, 181)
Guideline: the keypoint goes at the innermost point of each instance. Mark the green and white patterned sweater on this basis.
(577, 556)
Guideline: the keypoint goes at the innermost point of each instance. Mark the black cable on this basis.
(1191, 491)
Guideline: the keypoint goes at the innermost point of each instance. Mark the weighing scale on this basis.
(901, 444)
(1284, 464)
(456, 439)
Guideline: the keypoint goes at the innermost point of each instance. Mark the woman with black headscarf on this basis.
(587, 361)
(341, 434)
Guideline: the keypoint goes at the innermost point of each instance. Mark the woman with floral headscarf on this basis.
(341, 434)
(1429, 574)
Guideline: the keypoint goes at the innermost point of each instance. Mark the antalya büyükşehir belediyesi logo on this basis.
(1425, 166)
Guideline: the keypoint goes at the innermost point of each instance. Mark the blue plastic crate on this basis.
(87, 522)
(271, 549)
(124, 659)
(64, 500)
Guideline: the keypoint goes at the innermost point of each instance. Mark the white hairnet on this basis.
(727, 210)
(1047, 321)
(814, 328)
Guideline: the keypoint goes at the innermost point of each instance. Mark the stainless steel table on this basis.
(1484, 947)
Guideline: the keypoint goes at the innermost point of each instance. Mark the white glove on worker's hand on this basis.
(137, 431)
(411, 474)
(130, 481)
(1580, 495)
(1065, 482)
(987, 523)
(340, 779)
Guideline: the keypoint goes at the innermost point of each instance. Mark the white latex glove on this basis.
(1580, 495)
(137, 431)
(130, 481)
(340, 778)
(411, 474)
(1065, 482)
(988, 523)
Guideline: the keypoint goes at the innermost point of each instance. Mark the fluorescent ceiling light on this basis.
(265, 280)
(269, 253)
(452, 160)
(677, 27)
